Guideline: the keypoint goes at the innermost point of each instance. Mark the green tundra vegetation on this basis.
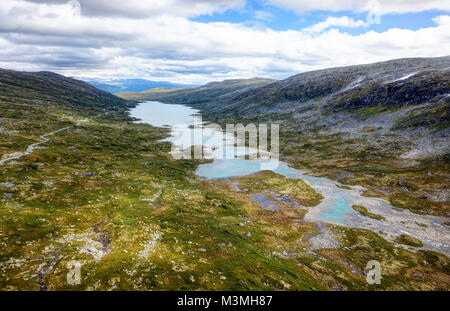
(365, 212)
(107, 194)
(408, 240)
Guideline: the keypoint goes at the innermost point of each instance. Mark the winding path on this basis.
(44, 139)
(31, 147)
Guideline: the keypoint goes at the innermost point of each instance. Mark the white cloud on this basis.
(343, 21)
(264, 15)
(384, 6)
(442, 20)
(149, 8)
(55, 37)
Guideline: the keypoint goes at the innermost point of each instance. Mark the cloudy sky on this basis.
(198, 41)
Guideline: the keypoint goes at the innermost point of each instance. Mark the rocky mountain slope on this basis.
(386, 85)
(420, 87)
(49, 87)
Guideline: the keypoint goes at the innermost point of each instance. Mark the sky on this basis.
(199, 41)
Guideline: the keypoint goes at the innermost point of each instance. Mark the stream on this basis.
(335, 208)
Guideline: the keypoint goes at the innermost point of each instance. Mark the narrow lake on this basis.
(335, 208)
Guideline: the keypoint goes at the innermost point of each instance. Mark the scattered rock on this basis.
(417, 274)
(149, 246)
(325, 239)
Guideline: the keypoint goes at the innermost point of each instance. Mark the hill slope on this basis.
(380, 86)
(48, 87)
(33, 104)
(419, 86)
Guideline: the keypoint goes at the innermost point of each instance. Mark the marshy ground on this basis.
(107, 194)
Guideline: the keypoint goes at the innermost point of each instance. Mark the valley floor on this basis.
(108, 195)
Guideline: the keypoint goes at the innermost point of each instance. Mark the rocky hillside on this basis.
(48, 87)
(365, 89)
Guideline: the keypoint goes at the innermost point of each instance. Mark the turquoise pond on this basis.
(339, 211)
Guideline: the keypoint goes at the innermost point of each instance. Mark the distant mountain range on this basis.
(205, 93)
(132, 85)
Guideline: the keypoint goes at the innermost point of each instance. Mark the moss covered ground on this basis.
(107, 194)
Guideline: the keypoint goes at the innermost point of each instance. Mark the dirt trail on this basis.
(31, 147)
(104, 236)
(43, 271)
(44, 139)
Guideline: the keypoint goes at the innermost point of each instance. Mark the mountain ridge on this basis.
(132, 85)
(48, 86)
(194, 94)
